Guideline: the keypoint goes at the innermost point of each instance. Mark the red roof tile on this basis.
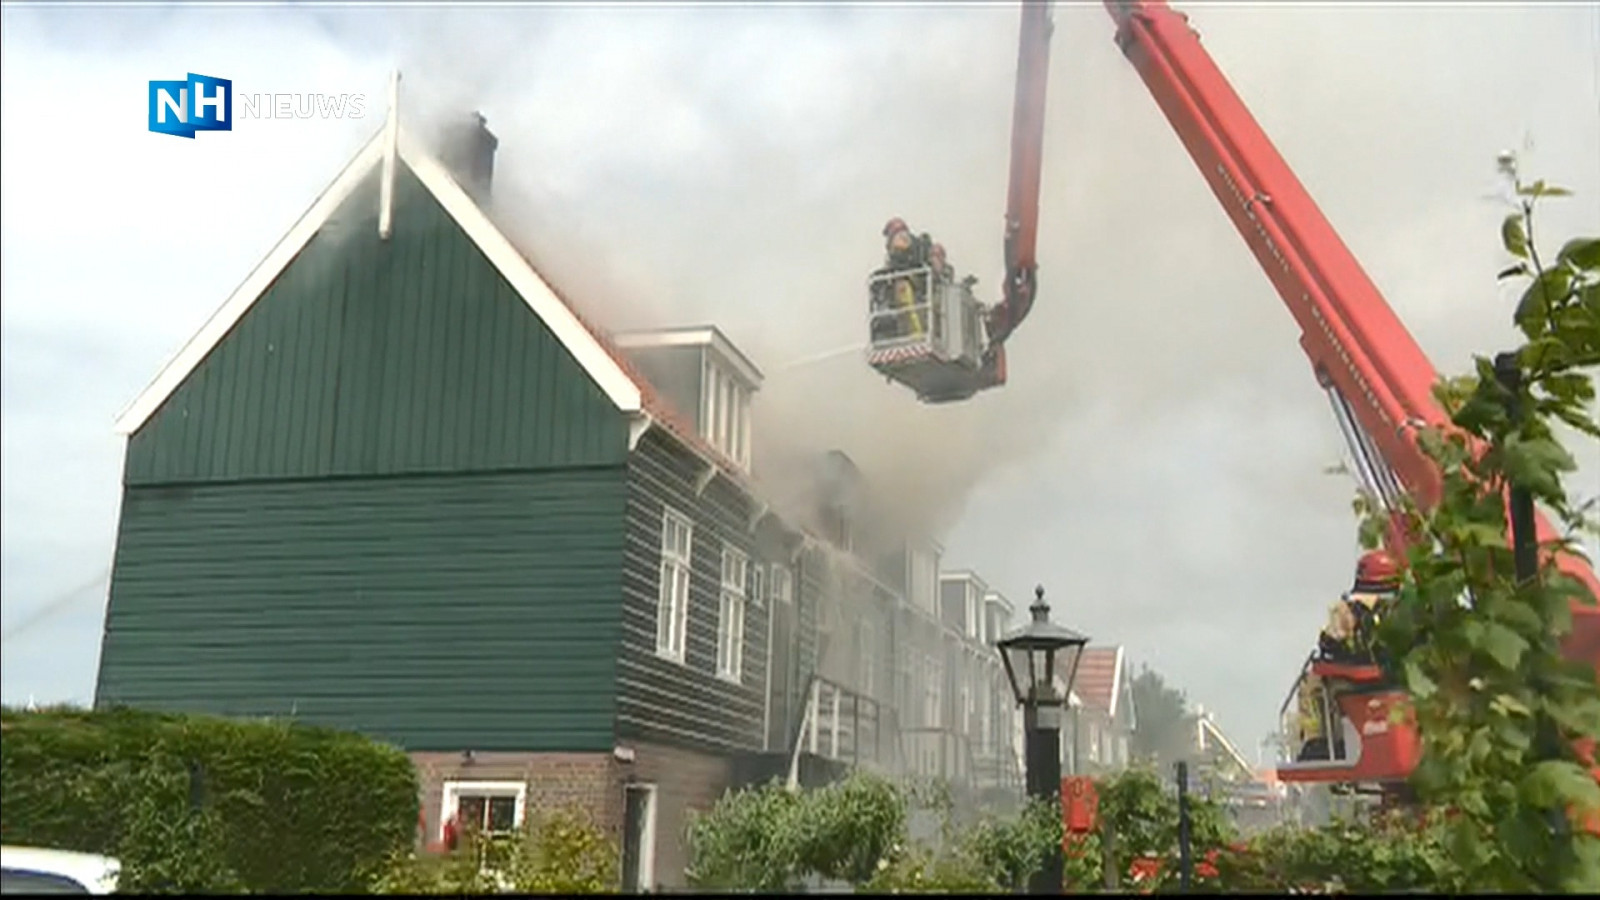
(1097, 677)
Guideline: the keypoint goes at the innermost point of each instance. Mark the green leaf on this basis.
(1537, 464)
(1420, 684)
(1542, 295)
(1541, 189)
(1583, 253)
(1514, 237)
(1556, 783)
(1505, 645)
(1512, 271)
(1509, 705)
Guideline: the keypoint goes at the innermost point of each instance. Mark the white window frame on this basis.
(869, 656)
(673, 591)
(450, 798)
(725, 412)
(780, 584)
(904, 686)
(710, 393)
(730, 613)
(758, 585)
(986, 700)
(923, 580)
(743, 456)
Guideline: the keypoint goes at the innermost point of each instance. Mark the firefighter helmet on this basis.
(1378, 572)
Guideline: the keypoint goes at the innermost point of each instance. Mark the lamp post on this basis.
(1035, 655)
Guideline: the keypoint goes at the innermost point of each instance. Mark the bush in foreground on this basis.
(194, 803)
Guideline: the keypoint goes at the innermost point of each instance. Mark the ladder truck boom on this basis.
(1378, 379)
(1027, 165)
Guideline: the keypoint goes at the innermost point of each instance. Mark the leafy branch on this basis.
(1480, 642)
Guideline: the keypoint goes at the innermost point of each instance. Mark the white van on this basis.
(34, 870)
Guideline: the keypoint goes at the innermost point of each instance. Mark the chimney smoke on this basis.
(468, 152)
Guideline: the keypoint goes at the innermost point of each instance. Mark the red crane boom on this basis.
(1376, 376)
(1027, 164)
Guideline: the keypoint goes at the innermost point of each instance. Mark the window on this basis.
(903, 682)
(1094, 742)
(758, 585)
(986, 720)
(730, 618)
(966, 708)
(933, 694)
(489, 807)
(924, 581)
(672, 608)
(725, 413)
(782, 585)
(973, 630)
(868, 656)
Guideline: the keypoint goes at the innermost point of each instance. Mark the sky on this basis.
(1157, 460)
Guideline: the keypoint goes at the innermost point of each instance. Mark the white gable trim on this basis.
(517, 271)
(245, 295)
(1116, 684)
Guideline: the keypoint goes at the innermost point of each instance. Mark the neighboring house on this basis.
(1100, 724)
(397, 485)
(981, 704)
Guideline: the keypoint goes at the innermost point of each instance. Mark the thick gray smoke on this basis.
(746, 187)
(1159, 453)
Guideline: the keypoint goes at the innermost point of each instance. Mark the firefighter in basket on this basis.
(1353, 621)
(903, 251)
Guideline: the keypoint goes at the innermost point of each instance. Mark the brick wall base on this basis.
(685, 781)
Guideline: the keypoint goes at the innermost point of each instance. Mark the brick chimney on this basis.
(468, 152)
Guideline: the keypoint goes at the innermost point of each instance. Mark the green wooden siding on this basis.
(368, 357)
(686, 703)
(441, 613)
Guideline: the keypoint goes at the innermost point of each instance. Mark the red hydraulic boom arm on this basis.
(1376, 376)
(1027, 159)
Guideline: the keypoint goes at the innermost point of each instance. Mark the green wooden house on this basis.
(397, 484)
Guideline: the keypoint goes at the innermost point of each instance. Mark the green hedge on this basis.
(201, 803)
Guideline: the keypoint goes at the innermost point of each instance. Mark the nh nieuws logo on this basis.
(183, 108)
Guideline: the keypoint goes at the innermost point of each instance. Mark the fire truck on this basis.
(931, 335)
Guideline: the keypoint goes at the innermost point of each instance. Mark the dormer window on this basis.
(725, 412)
(705, 377)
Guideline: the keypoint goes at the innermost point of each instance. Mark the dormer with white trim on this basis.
(708, 379)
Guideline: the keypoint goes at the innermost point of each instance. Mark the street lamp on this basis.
(1035, 655)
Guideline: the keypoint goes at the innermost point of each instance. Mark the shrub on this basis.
(563, 852)
(1385, 852)
(855, 832)
(202, 803)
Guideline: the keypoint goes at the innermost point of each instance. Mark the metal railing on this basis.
(907, 308)
(842, 725)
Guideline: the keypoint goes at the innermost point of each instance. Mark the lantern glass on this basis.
(1040, 653)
